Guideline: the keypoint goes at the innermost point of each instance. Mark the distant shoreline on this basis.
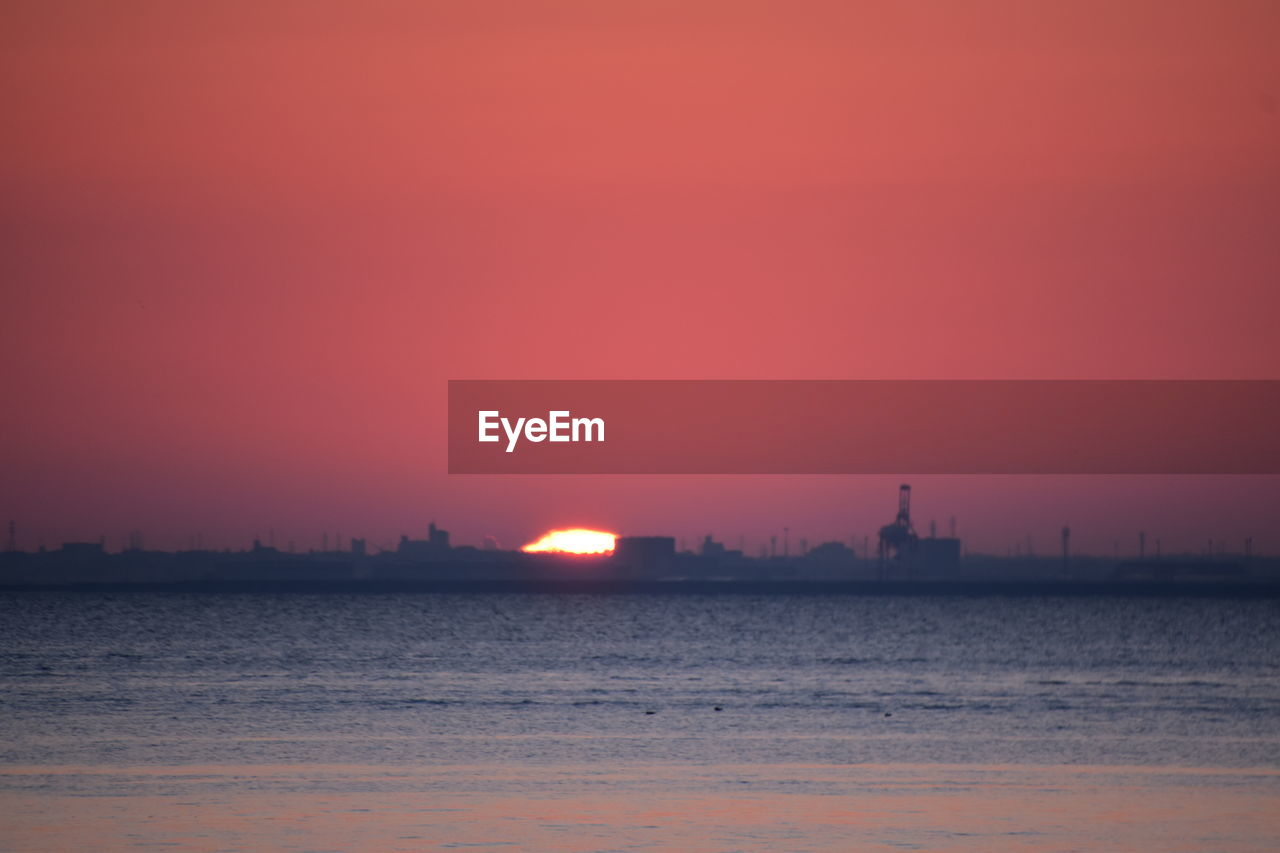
(1156, 589)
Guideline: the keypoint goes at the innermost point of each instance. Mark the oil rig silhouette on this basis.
(903, 551)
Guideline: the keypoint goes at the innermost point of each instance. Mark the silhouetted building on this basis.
(82, 550)
(937, 553)
(644, 554)
(712, 548)
(434, 547)
(261, 552)
(830, 552)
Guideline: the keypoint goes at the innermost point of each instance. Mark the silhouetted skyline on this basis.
(898, 536)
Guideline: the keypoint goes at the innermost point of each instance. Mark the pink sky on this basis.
(246, 245)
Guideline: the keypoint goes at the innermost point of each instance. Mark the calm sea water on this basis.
(203, 699)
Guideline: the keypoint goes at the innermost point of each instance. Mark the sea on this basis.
(621, 722)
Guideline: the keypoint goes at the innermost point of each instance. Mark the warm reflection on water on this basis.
(648, 807)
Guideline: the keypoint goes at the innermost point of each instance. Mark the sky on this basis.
(246, 244)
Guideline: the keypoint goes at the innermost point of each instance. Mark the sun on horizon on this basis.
(576, 540)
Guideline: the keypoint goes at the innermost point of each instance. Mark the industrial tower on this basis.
(899, 538)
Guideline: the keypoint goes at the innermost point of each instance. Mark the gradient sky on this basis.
(246, 244)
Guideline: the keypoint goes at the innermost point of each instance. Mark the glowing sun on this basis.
(575, 541)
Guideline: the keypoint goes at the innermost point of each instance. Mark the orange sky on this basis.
(246, 244)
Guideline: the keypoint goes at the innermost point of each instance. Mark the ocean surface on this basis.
(637, 722)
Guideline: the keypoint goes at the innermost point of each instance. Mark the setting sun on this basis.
(575, 541)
